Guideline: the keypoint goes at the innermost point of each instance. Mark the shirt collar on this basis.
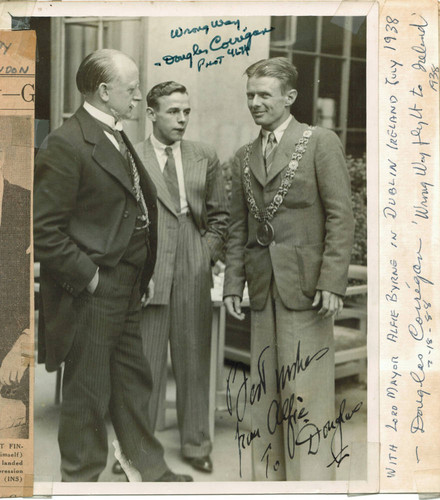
(105, 118)
(161, 147)
(279, 131)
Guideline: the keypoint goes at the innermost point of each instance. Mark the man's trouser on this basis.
(186, 322)
(295, 352)
(106, 371)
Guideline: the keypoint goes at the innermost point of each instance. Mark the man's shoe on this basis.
(170, 477)
(203, 464)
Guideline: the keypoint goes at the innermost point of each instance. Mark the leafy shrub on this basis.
(358, 175)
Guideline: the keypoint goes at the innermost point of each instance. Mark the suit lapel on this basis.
(194, 174)
(256, 161)
(152, 166)
(104, 153)
(285, 148)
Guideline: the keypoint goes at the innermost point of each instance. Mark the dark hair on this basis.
(162, 89)
(276, 67)
(98, 67)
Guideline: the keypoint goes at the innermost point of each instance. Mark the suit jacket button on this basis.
(125, 215)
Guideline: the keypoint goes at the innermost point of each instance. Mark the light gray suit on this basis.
(311, 251)
(181, 307)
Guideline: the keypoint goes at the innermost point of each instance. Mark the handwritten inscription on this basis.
(420, 48)
(392, 391)
(206, 28)
(408, 106)
(418, 329)
(290, 412)
(216, 48)
(421, 306)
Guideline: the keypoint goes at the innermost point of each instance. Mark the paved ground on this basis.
(225, 455)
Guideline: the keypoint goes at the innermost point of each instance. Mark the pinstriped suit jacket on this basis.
(206, 196)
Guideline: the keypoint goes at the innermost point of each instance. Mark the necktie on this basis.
(170, 175)
(269, 152)
(133, 172)
(122, 147)
(117, 135)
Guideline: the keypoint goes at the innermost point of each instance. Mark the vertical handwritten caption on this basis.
(409, 78)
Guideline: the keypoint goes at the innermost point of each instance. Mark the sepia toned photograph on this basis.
(200, 239)
(194, 287)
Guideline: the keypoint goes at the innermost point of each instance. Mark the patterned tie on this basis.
(269, 152)
(117, 135)
(170, 175)
(143, 220)
(122, 147)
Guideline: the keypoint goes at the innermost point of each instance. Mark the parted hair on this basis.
(98, 67)
(276, 67)
(163, 89)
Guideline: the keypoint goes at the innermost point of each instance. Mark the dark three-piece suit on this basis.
(85, 213)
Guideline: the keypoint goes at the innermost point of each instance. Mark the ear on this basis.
(291, 96)
(103, 92)
(151, 114)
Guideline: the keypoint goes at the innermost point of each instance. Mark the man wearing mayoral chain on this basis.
(291, 234)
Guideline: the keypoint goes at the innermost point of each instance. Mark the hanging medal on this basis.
(265, 233)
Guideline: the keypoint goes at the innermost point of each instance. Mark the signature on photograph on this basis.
(218, 45)
(290, 411)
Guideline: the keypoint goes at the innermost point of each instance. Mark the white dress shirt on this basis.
(162, 157)
(106, 119)
(279, 131)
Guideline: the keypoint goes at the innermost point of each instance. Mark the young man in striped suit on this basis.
(192, 221)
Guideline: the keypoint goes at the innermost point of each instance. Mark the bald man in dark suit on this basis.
(95, 227)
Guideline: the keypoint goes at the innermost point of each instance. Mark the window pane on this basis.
(332, 35)
(124, 36)
(303, 106)
(357, 96)
(80, 41)
(305, 33)
(359, 38)
(294, 32)
(329, 92)
(279, 34)
(356, 144)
